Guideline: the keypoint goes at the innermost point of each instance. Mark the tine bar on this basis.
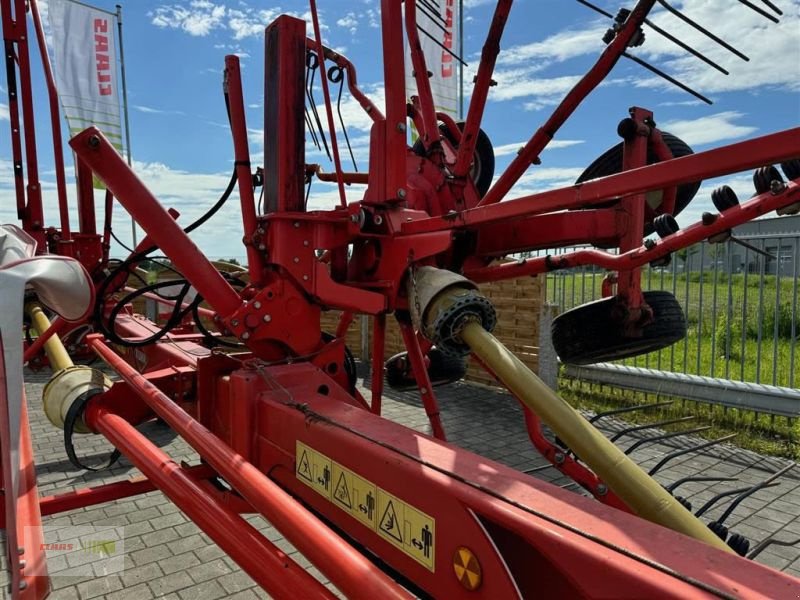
(773, 6)
(752, 490)
(771, 541)
(665, 436)
(627, 409)
(760, 11)
(744, 490)
(669, 78)
(702, 29)
(684, 451)
(678, 42)
(674, 486)
(442, 46)
(635, 428)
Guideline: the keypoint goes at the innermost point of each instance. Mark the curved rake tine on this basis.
(770, 541)
(702, 30)
(672, 455)
(744, 490)
(442, 46)
(665, 436)
(627, 409)
(773, 7)
(596, 9)
(760, 11)
(635, 428)
(434, 18)
(433, 9)
(766, 483)
(669, 78)
(685, 46)
(674, 486)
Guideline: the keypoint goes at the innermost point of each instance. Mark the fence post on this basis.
(548, 360)
(365, 354)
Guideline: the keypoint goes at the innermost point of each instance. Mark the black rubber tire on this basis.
(724, 198)
(665, 225)
(590, 333)
(763, 178)
(610, 163)
(791, 168)
(444, 369)
(482, 170)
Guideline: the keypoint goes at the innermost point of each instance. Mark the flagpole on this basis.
(125, 105)
(461, 64)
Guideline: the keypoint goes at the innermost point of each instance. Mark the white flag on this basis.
(439, 54)
(85, 59)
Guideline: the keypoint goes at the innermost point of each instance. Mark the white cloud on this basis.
(198, 18)
(513, 148)
(709, 129)
(3, 112)
(349, 22)
(558, 47)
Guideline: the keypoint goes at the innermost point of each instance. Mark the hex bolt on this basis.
(401, 127)
(23, 585)
(401, 193)
(246, 335)
(297, 224)
(776, 187)
(305, 277)
(235, 322)
(305, 243)
(602, 489)
(22, 564)
(256, 304)
(94, 141)
(559, 458)
(267, 318)
(296, 259)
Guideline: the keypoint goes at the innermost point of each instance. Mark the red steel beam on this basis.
(530, 152)
(750, 154)
(92, 147)
(341, 563)
(753, 208)
(258, 557)
(429, 132)
(233, 82)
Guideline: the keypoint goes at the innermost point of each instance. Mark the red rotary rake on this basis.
(242, 370)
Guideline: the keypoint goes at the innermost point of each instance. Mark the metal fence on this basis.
(740, 303)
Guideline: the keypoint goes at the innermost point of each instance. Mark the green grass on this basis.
(774, 436)
(759, 346)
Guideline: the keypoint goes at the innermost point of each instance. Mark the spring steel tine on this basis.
(539, 468)
(596, 9)
(760, 11)
(665, 436)
(669, 78)
(744, 244)
(311, 130)
(702, 30)
(433, 9)
(683, 451)
(677, 41)
(773, 7)
(442, 46)
(766, 483)
(628, 430)
(710, 504)
(432, 16)
(627, 409)
(674, 486)
(771, 541)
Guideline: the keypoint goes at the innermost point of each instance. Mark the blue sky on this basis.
(181, 146)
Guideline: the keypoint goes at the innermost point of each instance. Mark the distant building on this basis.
(778, 236)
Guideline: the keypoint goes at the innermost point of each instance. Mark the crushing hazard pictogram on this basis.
(389, 523)
(467, 568)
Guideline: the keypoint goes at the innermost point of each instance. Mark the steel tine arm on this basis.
(628, 430)
(771, 541)
(743, 490)
(768, 482)
(702, 29)
(672, 455)
(760, 11)
(675, 485)
(627, 409)
(666, 436)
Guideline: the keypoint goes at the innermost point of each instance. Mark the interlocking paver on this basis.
(168, 557)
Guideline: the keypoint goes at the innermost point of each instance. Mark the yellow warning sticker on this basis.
(396, 521)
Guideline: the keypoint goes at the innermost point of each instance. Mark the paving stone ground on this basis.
(167, 556)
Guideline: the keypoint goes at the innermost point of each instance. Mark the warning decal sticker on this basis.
(410, 530)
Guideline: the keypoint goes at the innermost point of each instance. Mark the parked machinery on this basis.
(244, 373)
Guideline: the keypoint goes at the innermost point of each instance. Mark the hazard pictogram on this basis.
(342, 493)
(304, 467)
(467, 568)
(390, 524)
